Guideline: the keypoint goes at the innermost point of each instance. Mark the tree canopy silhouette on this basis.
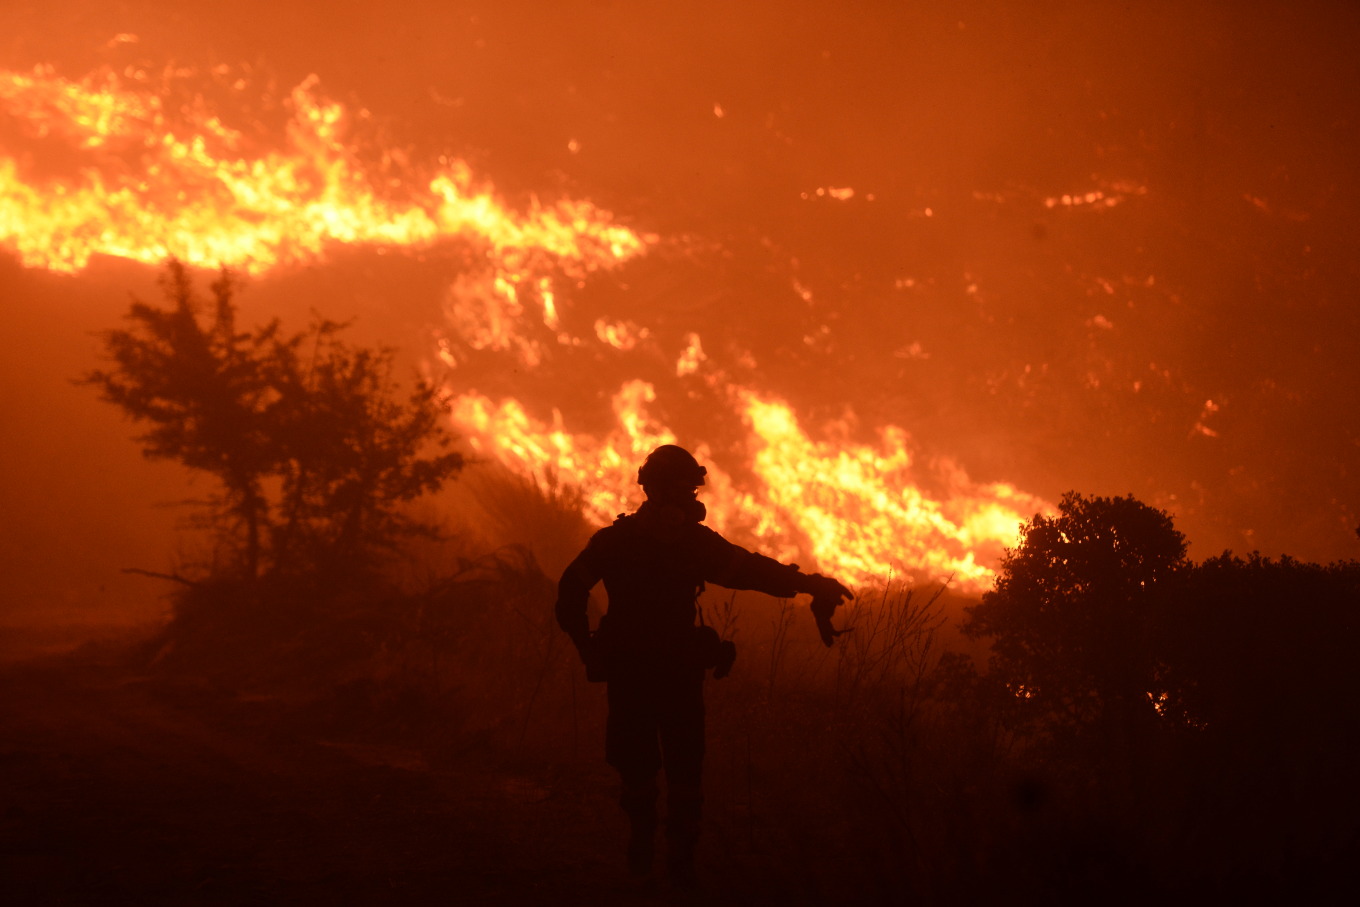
(1075, 610)
(1262, 649)
(316, 450)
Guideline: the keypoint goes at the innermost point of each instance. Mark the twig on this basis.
(173, 577)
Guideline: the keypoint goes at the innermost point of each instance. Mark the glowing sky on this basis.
(1083, 247)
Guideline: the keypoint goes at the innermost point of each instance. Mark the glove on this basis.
(827, 595)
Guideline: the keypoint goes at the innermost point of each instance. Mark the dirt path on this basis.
(115, 790)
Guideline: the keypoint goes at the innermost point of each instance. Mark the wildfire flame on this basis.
(152, 183)
(856, 510)
(140, 178)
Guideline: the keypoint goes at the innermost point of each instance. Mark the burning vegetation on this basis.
(891, 353)
(1101, 677)
(152, 167)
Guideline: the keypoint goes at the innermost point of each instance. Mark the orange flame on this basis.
(152, 184)
(144, 180)
(856, 511)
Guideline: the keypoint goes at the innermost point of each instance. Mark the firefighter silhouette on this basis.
(652, 653)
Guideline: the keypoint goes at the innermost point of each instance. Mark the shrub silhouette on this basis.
(1072, 618)
(315, 450)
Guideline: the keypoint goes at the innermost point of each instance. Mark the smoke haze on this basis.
(1058, 245)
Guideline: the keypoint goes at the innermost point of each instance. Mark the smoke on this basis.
(1100, 248)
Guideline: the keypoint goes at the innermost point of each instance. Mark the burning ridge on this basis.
(124, 165)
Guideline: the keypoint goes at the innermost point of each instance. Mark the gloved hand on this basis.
(827, 595)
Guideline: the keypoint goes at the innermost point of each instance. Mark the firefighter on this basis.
(652, 654)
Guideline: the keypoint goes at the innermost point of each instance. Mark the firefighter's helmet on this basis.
(673, 466)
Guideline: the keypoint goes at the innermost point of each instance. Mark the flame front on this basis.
(142, 178)
(856, 511)
(151, 183)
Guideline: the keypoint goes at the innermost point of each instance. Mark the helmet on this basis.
(671, 465)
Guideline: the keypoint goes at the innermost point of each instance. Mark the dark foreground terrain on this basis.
(120, 789)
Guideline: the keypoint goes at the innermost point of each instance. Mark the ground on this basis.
(122, 788)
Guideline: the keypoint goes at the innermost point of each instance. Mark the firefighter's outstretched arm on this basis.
(573, 596)
(748, 570)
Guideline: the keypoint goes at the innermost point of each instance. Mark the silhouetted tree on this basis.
(1260, 655)
(1072, 618)
(1260, 648)
(315, 450)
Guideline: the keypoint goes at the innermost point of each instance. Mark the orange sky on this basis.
(1096, 248)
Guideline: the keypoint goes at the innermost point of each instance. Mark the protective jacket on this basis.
(654, 563)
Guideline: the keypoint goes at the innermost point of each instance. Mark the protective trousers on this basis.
(656, 721)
